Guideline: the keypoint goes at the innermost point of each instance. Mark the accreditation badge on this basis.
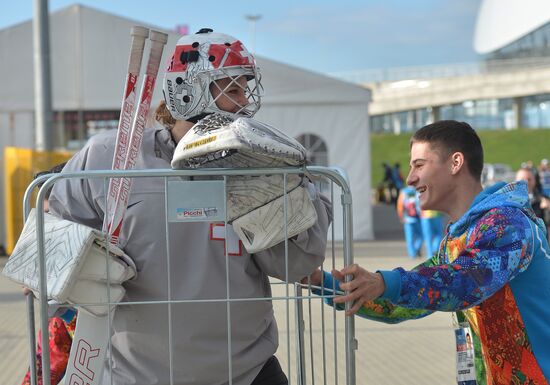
(465, 365)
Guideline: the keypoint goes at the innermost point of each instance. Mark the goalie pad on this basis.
(265, 227)
(220, 141)
(76, 264)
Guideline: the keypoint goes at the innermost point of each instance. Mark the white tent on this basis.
(89, 53)
(302, 102)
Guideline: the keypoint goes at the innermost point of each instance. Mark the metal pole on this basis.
(42, 77)
(253, 19)
(300, 346)
(351, 342)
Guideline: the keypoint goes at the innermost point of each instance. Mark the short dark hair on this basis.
(450, 136)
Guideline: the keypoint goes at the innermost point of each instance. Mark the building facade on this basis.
(506, 89)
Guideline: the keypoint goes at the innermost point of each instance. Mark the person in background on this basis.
(389, 183)
(544, 176)
(397, 176)
(431, 222)
(539, 202)
(409, 214)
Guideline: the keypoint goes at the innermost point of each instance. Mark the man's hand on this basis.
(364, 286)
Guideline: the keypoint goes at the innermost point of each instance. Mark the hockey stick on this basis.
(158, 40)
(139, 34)
(90, 340)
(74, 372)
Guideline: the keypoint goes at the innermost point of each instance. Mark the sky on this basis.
(324, 36)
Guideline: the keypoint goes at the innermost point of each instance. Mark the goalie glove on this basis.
(76, 264)
(220, 141)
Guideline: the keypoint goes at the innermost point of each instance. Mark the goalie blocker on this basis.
(255, 204)
(76, 264)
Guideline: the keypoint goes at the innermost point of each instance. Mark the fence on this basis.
(314, 348)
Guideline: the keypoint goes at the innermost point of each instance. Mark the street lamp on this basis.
(253, 19)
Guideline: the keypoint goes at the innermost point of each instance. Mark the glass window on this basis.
(317, 155)
(535, 44)
(74, 128)
(316, 149)
(536, 111)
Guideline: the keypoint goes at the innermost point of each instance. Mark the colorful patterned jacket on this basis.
(494, 264)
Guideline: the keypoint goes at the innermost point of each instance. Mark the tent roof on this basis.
(288, 84)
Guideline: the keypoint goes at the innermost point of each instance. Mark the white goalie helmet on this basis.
(198, 61)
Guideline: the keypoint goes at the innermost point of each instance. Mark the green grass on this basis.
(501, 146)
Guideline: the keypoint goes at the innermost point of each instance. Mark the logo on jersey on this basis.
(233, 244)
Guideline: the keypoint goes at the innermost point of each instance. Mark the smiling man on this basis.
(493, 266)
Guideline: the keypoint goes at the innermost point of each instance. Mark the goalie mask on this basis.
(193, 80)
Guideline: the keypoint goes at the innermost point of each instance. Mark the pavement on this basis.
(13, 331)
(414, 352)
(410, 353)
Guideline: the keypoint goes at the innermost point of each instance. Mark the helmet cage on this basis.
(252, 89)
(195, 68)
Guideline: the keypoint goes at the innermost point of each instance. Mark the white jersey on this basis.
(140, 341)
